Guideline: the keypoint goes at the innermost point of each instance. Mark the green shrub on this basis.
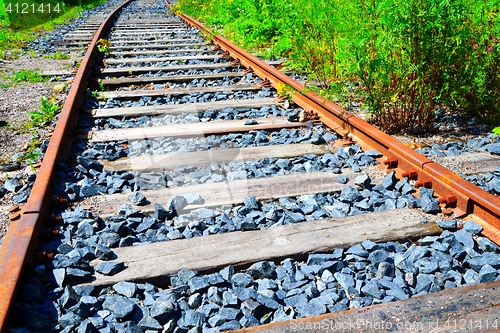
(408, 56)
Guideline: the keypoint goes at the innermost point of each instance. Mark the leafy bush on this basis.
(408, 56)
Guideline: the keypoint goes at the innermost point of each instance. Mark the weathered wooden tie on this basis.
(178, 109)
(188, 130)
(169, 78)
(153, 262)
(471, 309)
(177, 91)
(222, 194)
(205, 157)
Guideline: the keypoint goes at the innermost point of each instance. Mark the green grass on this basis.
(403, 59)
(16, 28)
(48, 110)
(27, 75)
(57, 56)
(103, 46)
(18, 77)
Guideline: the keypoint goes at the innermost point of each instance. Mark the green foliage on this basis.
(496, 130)
(17, 28)
(48, 111)
(424, 53)
(57, 56)
(27, 75)
(408, 57)
(33, 153)
(31, 53)
(4, 19)
(103, 46)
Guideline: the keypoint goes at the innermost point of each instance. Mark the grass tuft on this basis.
(27, 75)
(57, 56)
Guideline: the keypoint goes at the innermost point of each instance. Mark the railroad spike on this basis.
(265, 83)
(410, 174)
(43, 257)
(49, 233)
(280, 99)
(248, 70)
(16, 216)
(344, 142)
(449, 200)
(235, 62)
(447, 212)
(59, 201)
(427, 183)
(391, 162)
(53, 220)
(14, 209)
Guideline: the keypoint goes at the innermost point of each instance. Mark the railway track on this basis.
(180, 193)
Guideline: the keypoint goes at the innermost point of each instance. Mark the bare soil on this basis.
(16, 102)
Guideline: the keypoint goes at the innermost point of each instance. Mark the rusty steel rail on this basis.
(453, 191)
(22, 238)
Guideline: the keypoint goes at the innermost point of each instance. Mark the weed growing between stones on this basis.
(103, 46)
(47, 113)
(48, 110)
(58, 55)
